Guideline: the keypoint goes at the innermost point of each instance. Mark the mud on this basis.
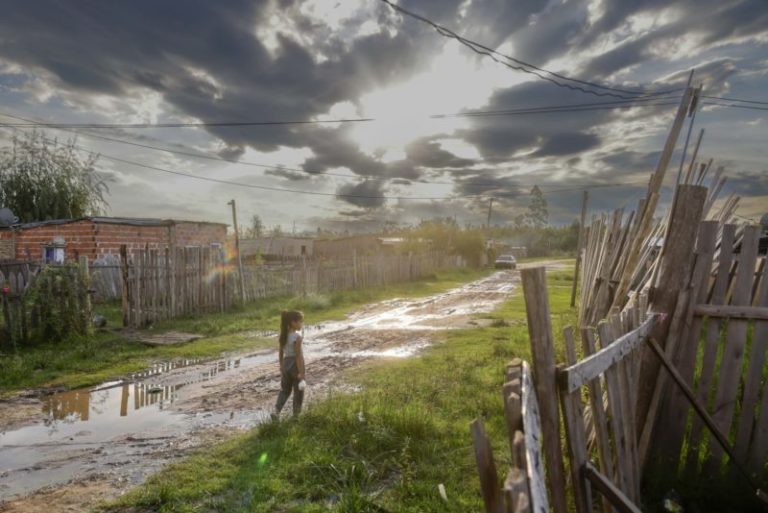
(78, 447)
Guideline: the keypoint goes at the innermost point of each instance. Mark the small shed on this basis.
(64, 240)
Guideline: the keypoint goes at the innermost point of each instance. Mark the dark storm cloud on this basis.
(203, 57)
(366, 194)
(232, 152)
(626, 160)
(501, 137)
(710, 21)
(207, 62)
(567, 144)
(287, 174)
(428, 153)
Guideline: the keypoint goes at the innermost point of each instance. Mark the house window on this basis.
(53, 254)
(303, 250)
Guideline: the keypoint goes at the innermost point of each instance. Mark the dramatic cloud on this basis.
(295, 60)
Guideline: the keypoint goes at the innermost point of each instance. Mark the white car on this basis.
(505, 262)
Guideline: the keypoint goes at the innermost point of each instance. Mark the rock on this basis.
(99, 321)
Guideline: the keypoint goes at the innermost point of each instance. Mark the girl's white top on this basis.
(289, 350)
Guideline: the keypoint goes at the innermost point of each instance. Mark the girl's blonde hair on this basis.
(287, 318)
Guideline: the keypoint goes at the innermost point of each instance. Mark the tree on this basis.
(256, 229)
(277, 231)
(538, 215)
(42, 179)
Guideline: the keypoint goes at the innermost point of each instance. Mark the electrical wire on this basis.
(317, 193)
(573, 107)
(757, 102)
(32, 123)
(524, 66)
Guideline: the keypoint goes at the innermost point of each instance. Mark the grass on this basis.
(108, 355)
(385, 448)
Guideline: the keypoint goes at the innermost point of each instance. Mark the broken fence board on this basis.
(533, 454)
(592, 366)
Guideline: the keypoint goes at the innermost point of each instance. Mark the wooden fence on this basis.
(721, 356)
(162, 284)
(170, 283)
(609, 420)
(524, 488)
(61, 306)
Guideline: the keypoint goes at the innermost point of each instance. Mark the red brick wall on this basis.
(199, 234)
(86, 238)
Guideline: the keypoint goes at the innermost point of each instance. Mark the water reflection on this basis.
(84, 404)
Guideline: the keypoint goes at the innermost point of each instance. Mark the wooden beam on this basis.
(675, 267)
(543, 349)
(757, 313)
(604, 485)
(578, 375)
(722, 440)
(486, 468)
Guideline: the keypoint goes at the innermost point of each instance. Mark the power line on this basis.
(522, 65)
(327, 194)
(735, 106)
(32, 123)
(573, 107)
(757, 102)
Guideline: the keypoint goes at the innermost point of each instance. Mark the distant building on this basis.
(275, 248)
(285, 248)
(65, 240)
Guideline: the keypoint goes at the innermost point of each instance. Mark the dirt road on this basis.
(77, 447)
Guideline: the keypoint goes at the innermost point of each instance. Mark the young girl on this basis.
(291, 362)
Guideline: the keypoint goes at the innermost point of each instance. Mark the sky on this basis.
(192, 61)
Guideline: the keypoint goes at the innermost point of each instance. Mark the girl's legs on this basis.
(288, 382)
(298, 398)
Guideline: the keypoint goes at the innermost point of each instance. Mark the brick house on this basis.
(65, 240)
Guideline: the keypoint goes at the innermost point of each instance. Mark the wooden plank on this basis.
(598, 412)
(706, 373)
(515, 486)
(533, 431)
(737, 312)
(675, 412)
(627, 414)
(736, 338)
(604, 485)
(486, 467)
(720, 437)
(579, 247)
(654, 187)
(596, 364)
(676, 265)
(573, 422)
(753, 377)
(759, 447)
(615, 412)
(542, 346)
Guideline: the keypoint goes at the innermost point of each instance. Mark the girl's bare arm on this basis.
(300, 357)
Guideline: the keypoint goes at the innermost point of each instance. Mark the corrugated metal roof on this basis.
(131, 221)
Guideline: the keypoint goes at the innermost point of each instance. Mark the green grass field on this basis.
(108, 355)
(386, 448)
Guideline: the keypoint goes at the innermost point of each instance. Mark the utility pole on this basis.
(490, 211)
(578, 247)
(237, 248)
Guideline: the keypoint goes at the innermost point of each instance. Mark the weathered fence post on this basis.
(126, 292)
(85, 290)
(579, 244)
(676, 265)
(542, 346)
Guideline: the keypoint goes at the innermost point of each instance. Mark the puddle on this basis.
(131, 427)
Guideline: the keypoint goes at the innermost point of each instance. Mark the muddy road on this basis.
(77, 447)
